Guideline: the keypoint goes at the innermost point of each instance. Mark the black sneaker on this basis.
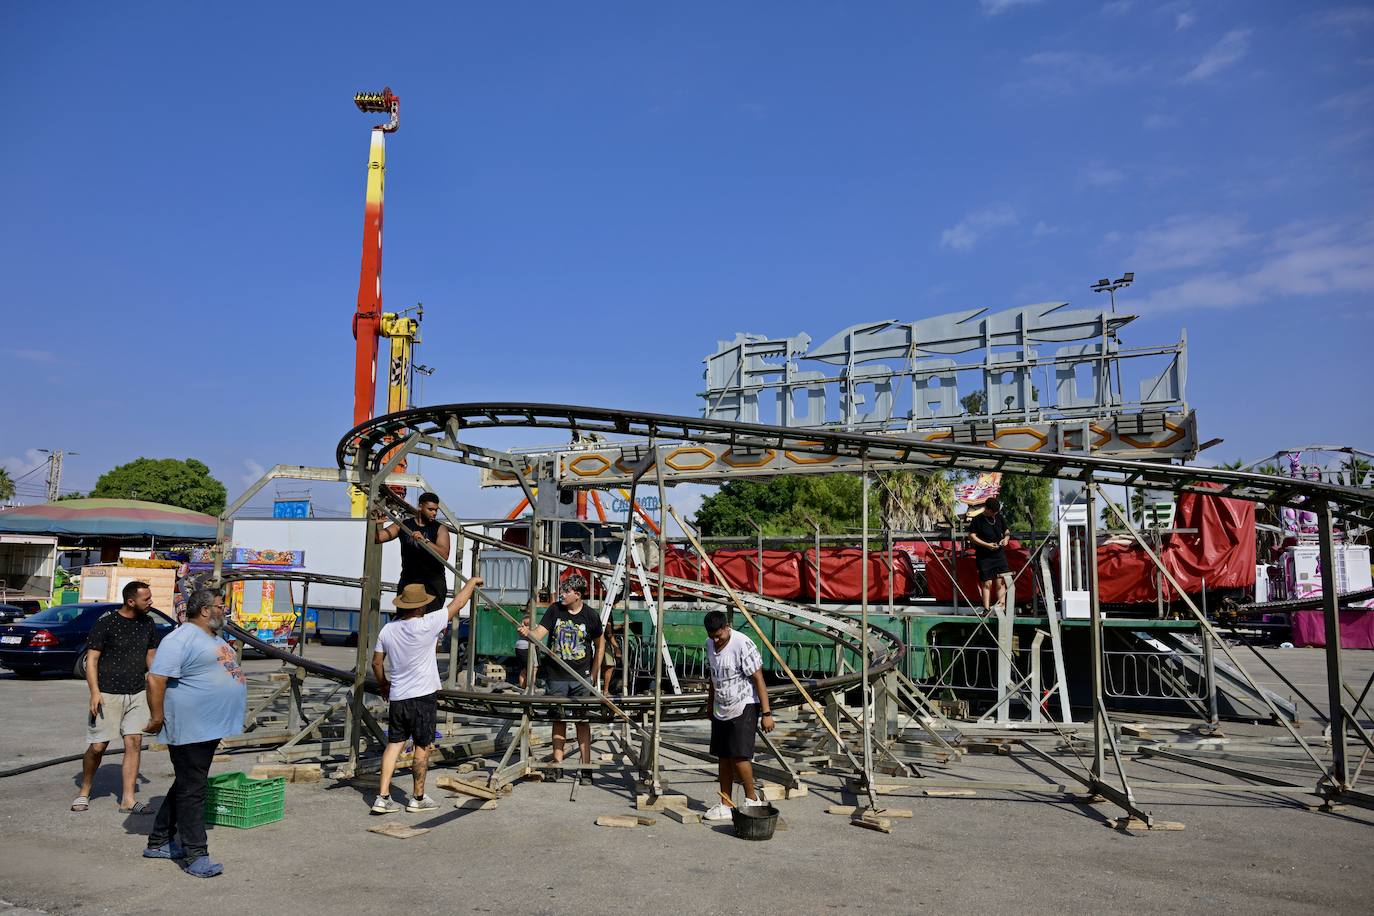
(552, 775)
(585, 778)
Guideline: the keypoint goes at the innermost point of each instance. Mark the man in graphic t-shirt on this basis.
(988, 532)
(406, 647)
(576, 637)
(197, 694)
(737, 697)
(119, 650)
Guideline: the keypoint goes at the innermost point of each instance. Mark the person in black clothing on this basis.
(575, 636)
(988, 532)
(119, 650)
(418, 565)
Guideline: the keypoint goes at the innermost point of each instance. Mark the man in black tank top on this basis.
(417, 563)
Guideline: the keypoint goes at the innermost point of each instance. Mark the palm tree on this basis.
(6, 486)
(915, 500)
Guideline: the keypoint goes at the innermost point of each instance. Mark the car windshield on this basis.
(60, 613)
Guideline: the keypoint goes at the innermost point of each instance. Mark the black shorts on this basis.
(412, 719)
(993, 566)
(735, 737)
(560, 687)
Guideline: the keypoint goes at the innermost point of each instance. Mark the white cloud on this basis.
(1347, 19)
(252, 472)
(998, 7)
(23, 464)
(1069, 71)
(1291, 262)
(1043, 229)
(1160, 121)
(1189, 241)
(1233, 46)
(964, 235)
(1350, 103)
(1117, 7)
(34, 356)
(1100, 175)
(1184, 20)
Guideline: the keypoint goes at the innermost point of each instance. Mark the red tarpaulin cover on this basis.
(1223, 550)
(1357, 629)
(842, 574)
(681, 564)
(1125, 574)
(781, 570)
(942, 589)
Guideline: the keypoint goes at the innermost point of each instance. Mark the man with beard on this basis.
(119, 650)
(197, 694)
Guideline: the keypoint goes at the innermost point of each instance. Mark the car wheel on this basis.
(79, 669)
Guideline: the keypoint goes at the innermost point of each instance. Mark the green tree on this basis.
(780, 506)
(74, 494)
(915, 500)
(164, 480)
(6, 486)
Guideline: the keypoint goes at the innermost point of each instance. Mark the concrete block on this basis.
(644, 802)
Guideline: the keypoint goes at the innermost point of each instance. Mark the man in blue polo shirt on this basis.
(197, 694)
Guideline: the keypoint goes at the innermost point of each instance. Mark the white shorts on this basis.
(124, 714)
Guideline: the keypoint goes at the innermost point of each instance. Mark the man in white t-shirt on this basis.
(738, 697)
(406, 646)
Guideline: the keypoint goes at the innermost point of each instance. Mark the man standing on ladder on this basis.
(988, 532)
(418, 565)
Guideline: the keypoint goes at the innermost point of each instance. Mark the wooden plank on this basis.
(617, 820)
(476, 804)
(466, 788)
(872, 822)
(950, 793)
(852, 810)
(651, 803)
(682, 815)
(398, 831)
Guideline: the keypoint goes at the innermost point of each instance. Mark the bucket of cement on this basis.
(755, 823)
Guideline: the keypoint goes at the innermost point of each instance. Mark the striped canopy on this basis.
(109, 518)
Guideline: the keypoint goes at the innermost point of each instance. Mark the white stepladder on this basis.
(612, 585)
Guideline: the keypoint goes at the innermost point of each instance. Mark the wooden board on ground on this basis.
(682, 815)
(852, 810)
(398, 831)
(872, 822)
(651, 803)
(1135, 823)
(467, 788)
(291, 772)
(950, 793)
(617, 820)
(475, 804)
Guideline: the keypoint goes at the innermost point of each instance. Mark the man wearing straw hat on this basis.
(406, 646)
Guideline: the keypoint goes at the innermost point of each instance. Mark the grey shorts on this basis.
(123, 714)
(565, 688)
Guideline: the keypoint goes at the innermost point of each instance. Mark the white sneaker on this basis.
(718, 813)
(422, 803)
(385, 805)
(754, 803)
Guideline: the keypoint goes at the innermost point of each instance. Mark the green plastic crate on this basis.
(234, 800)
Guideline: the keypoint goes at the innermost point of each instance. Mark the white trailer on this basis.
(27, 565)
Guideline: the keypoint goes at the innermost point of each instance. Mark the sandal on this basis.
(137, 808)
(81, 803)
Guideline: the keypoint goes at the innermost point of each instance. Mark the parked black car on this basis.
(9, 613)
(55, 639)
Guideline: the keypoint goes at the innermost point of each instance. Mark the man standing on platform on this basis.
(737, 699)
(406, 644)
(418, 564)
(988, 532)
(119, 650)
(576, 637)
(197, 694)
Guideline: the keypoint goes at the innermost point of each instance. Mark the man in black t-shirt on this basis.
(576, 637)
(988, 532)
(417, 563)
(119, 650)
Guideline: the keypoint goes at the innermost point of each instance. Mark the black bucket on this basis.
(755, 823)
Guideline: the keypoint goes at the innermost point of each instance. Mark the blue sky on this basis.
(587, 196)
